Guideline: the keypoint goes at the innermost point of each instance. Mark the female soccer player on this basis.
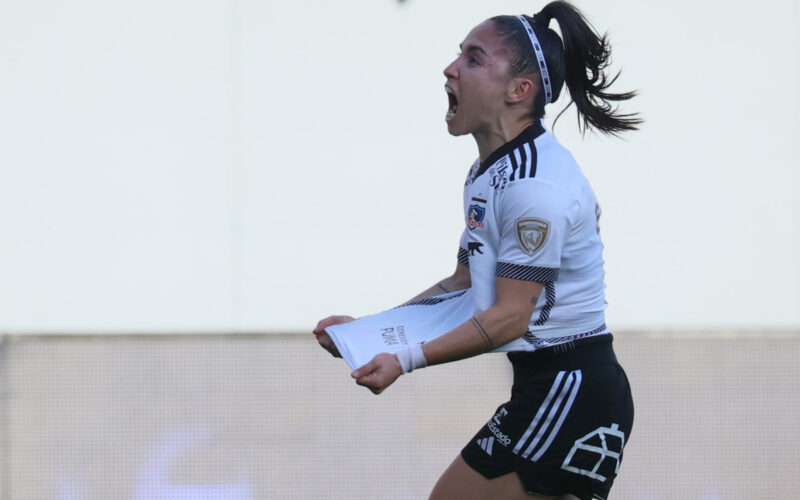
(532, 255)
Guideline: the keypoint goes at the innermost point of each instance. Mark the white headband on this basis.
(537, 48)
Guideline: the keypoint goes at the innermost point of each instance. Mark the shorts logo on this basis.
(494, 426)
(486, 444)
(604, 443)
(532, 234)
(475, 217)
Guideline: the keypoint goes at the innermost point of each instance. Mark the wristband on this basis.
(412, 358)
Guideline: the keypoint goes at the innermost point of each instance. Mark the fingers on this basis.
(325, 341)
(372, 382)
(366, 369)
(331, 320)
(379, 373)
(329, 346)
(323, 338)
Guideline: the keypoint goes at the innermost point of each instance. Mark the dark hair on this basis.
(579, 61)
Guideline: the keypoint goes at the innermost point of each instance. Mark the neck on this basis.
(491, 139)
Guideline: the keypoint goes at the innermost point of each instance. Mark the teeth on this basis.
(451, 112)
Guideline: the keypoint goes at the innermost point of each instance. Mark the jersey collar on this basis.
(527, 135)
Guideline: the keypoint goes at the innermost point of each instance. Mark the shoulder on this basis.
(538, 194)
(552, 182)
(472, 172)
(556, 165)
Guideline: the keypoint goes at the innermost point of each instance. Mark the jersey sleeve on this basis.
(534, 219)
(463, 249)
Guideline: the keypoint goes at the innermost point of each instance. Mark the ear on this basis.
(519, 89)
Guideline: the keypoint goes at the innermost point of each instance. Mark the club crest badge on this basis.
(532, 234)
(475, 217)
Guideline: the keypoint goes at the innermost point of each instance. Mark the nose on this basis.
(450, 71)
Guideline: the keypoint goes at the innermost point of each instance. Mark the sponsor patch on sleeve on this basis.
(532, 234)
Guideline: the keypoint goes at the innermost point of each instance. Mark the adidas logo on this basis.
(486, 444)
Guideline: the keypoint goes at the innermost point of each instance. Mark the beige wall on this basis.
(236, 165)
(273, 416)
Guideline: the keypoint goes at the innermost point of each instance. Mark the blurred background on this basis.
(187, 187)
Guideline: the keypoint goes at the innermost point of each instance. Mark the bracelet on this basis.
(412, 358)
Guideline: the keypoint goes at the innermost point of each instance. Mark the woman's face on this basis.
(477, 82)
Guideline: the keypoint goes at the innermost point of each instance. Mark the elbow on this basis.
(518, 326)
(461, 278)
(462, 282)
(511, 324)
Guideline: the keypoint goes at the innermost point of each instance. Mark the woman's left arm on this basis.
(506, 320)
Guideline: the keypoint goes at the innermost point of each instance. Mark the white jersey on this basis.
(531, 215)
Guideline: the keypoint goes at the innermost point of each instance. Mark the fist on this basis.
(379, 373)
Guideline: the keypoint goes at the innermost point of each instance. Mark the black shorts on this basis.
(563, 431)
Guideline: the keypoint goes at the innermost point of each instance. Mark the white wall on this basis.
(244, 165)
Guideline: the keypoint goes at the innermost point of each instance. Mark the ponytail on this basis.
(580, 61)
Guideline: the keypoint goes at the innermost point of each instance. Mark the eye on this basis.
(471, 59)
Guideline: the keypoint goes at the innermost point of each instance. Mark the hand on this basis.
(323, 338)
(379, 373)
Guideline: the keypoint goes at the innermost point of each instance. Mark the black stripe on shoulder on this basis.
(527, 163)
(533, 157)
(514, 166)
(527, 135)
(527, 273)
(523, 162)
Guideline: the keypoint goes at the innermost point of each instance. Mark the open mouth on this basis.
(452, 103)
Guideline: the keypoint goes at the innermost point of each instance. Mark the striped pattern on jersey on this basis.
(523, 162)
(550, 301)
(566, 342)
(432, 301)
(522, 158)
(527, 273)
(463, 256)
(548, 420)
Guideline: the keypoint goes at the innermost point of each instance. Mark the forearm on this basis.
(459, 280)
(507, 319)
(482, 333)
